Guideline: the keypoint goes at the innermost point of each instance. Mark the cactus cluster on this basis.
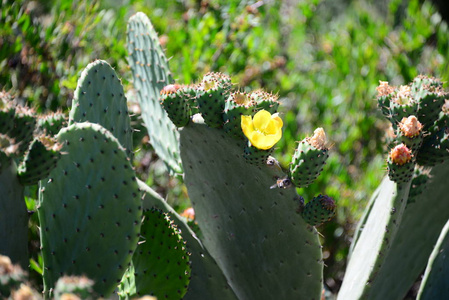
(401, 217)
(103, 230)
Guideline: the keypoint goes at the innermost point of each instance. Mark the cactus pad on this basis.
(175, 104)
(99, 98)
(309, 159)
(160, 263)
(151, 73)
(51, 123)
(246, 225)
(319, 210)
(89, 209)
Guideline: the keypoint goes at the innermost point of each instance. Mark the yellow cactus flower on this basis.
(264, 130)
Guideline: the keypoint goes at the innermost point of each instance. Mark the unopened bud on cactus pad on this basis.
(309, 159)
(384, 89)
(411, 133)
(212, 93)
(319, 210)
(238, 104)
(410, 126)
(400, 164)
(400, 155)
(174, 101)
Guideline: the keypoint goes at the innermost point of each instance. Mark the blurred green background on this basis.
(324, 58)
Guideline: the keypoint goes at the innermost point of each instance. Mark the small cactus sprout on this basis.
(174, 102)
(400, 164)
(410, 131)
(321, 209)
(309, 159)
(264, 130)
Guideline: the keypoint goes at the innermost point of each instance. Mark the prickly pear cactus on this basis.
(99, 98)
(160, 265)
(402, 222)
(319, 210)
(150, 74)
(246, 225)
(89, 210)
(207, 280)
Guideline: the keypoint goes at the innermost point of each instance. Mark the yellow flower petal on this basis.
(261, 120)
(264, 131)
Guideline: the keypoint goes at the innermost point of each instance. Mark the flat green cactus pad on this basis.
(161, 262)
(207, 280)
(150, 75)
(417, 234)
(436, 277)
(261, 243)
(374, 241)
(99, 98)
(89, 209)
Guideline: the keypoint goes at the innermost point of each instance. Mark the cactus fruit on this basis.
(265, 100)
(174, 102)
(319, 210)
(76, 286)
(41, 158)
(99, 98)
(429, 94)
(434, 149)
(309, 159)
(400, 164)
(402, 105)
(150, 71)
(160, 265)
(213, 91)
(11, 276)
(89, 209)
(256, 156)
(385, 94)
(411, 133)
(236, 105)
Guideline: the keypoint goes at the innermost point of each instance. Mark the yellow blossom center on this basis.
(264, 130)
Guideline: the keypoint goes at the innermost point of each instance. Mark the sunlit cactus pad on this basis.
(90, 209)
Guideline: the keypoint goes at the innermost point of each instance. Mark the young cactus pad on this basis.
(89, 210)
(99, 98)
(246, 225)
(150, 74)
(160, 265)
